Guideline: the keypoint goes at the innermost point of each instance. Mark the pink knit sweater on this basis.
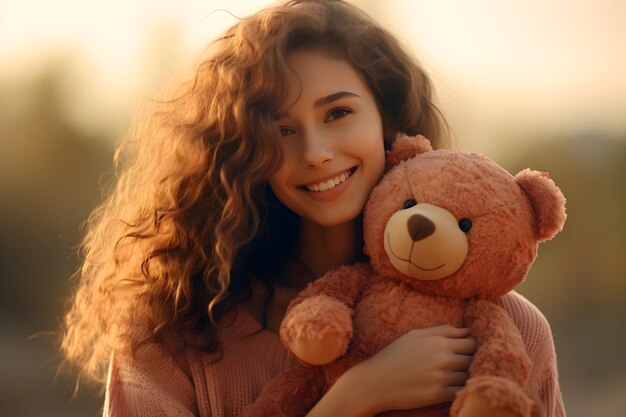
(196, 385)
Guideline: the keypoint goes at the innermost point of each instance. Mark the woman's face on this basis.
(331, 134)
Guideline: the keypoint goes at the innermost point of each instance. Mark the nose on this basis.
(317, 150)
(420, 227)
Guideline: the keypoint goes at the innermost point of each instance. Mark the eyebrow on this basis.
(322, 102)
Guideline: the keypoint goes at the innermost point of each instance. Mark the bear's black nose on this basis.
(420, 227)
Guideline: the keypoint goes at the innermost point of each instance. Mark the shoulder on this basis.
(537, 336)
(528, 318)
(535, 331)
(150, 360)
(152, 379)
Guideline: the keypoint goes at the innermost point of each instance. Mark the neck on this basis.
(323, 247)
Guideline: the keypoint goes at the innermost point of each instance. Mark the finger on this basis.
(463, 346)
(456, 379)
(446, 330)
(449, 393)
(459, 362)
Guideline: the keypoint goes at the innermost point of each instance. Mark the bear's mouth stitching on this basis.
(409, 260)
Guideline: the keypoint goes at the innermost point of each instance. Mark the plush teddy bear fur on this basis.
(353, 312)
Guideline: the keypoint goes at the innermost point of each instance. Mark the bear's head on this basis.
(454, 223)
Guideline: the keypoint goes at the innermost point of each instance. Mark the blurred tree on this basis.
(49, 182)
(578, 280)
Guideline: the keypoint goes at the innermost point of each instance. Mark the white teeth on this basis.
(329, 184)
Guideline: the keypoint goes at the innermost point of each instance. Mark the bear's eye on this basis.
(465, 225)
(409, 203)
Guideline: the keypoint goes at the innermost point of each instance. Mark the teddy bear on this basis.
(447, 232)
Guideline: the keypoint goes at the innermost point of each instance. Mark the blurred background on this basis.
(530, 83)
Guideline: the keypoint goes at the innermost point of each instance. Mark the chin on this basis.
(334, 220)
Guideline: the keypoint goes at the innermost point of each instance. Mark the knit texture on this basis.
(195, 384)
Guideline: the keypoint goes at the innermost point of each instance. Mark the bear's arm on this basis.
(317, 327)
(344, 283)
(501, 366)
(543, 383)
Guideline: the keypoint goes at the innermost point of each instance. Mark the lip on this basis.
(332, 193)
(328, 177)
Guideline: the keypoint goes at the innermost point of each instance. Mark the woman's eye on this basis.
(337, 113)
(285, 131)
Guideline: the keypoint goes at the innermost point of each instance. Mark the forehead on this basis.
(315, 73)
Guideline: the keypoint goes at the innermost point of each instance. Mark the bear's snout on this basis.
(424, 241)
(420, 227)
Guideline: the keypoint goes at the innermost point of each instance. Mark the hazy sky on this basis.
(553, 62)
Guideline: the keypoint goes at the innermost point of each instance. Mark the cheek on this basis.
(281, 175)
(274, 180)
(279, 182)
(369, 138)
(372, 150)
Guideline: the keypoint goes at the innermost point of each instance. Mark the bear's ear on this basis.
(547, 200)
(405, 147)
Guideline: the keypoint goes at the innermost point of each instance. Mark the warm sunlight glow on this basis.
(556, 63)
(111, 53)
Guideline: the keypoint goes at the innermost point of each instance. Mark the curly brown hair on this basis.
(191, 216)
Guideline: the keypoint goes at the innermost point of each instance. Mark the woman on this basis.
(233, 196)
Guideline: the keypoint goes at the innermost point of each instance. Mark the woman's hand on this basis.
(421, 368)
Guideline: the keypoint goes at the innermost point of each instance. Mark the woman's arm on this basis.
(543, 383)
(152, 384)
(417, 370)
(424, 367)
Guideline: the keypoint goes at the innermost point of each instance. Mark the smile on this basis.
(330, 183)
(409, 260)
